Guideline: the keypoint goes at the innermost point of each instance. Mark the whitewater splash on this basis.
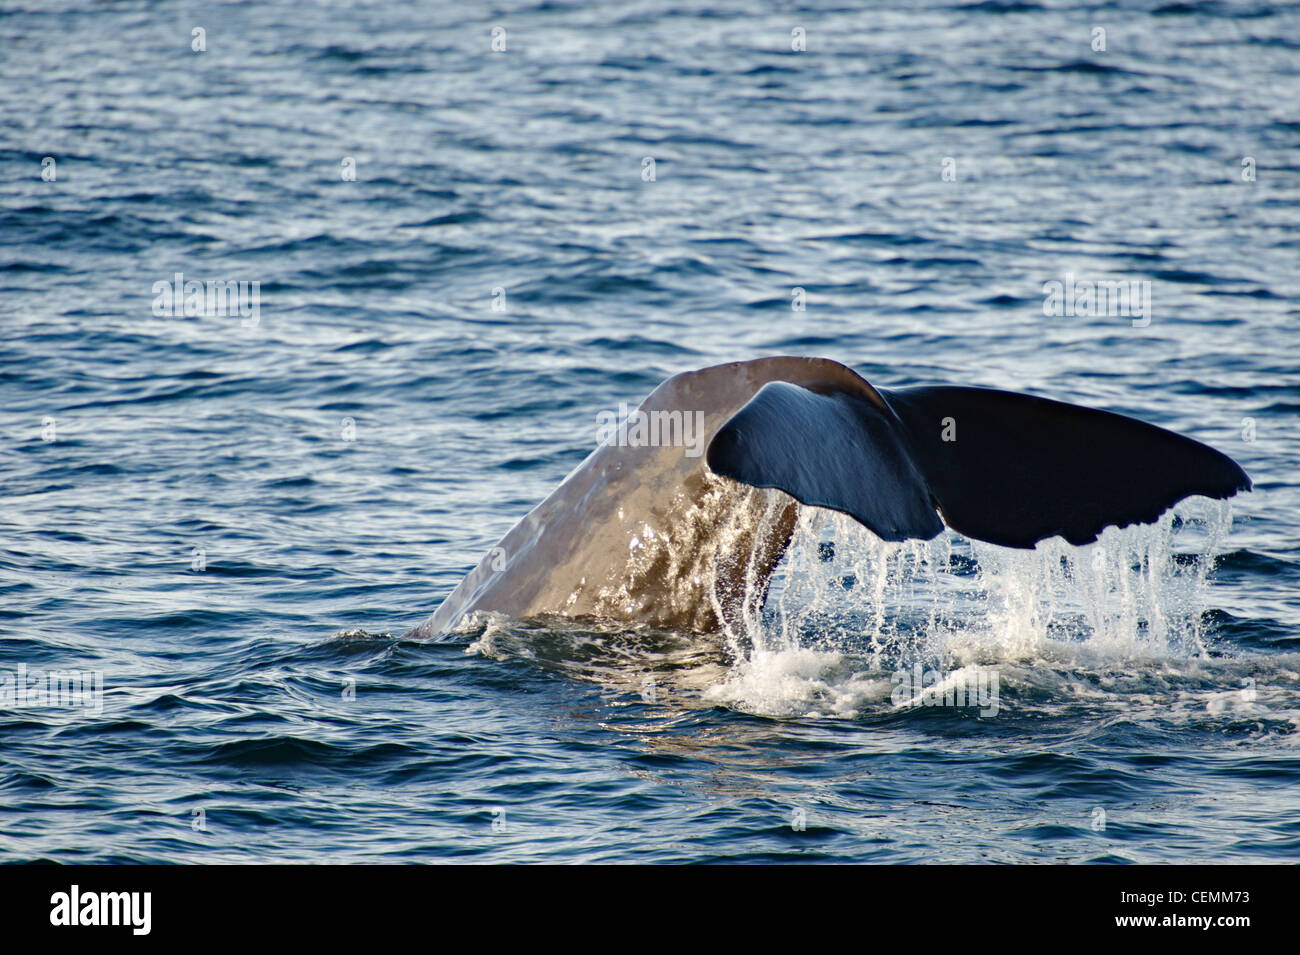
(852, 621)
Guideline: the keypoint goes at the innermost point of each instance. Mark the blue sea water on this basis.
(233, 521)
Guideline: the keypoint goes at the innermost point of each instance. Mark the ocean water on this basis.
(464, 255)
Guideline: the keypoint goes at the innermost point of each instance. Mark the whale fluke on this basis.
(836, 450)
(1001, 467)
(1024, 468)
(653, 532)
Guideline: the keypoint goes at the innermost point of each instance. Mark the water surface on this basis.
(337, 466)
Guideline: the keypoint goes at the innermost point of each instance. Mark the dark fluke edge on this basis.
(657, 535)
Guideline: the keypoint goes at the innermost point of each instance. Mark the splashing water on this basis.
(856, 627)
(848, 610)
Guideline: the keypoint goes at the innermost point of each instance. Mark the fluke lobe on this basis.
(647, 530)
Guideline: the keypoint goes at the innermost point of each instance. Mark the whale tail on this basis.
(646, 531)
(1001, 467)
